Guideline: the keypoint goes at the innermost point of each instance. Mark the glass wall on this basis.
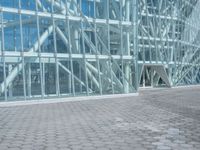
(96, 47)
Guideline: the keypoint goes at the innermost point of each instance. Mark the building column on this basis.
(10, 87)
(29, 79)
(127, 64)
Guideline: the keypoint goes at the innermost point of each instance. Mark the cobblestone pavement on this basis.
(157, 119)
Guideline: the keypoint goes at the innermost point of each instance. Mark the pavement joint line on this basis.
(64, 99)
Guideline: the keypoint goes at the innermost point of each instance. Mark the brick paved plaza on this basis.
(156, 119)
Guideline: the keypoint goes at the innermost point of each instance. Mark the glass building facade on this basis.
(55, 48)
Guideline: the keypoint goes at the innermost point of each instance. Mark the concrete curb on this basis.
(187, 86)
(63, 100)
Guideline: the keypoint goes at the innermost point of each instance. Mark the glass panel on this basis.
(50, 79)
(12, 38)
(10, 3)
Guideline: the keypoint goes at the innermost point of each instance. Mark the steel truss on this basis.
(94, 47)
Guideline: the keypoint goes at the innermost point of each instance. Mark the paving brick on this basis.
(157, 119)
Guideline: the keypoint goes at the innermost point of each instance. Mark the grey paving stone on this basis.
(156, 119)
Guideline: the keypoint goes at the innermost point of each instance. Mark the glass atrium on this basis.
(62, 48)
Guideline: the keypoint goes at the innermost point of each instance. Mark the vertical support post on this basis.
(3, 56)
(42, 73)
(43, 79)
(29, 79)
(108, 44)
(135, 40)
(84, 54)
(174, 46)
(72, 88)
(10, 87)
(127, 65)
(55, 50)
(69, 79)
(121, 43)
(143, 77)
(152, 76)
(96, 45)
(22, 50)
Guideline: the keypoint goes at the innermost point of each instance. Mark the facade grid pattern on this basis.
(55, 48)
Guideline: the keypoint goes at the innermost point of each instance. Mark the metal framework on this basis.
(94, 47)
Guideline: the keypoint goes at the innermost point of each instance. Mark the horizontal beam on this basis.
(62, 17)
(62, 55)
